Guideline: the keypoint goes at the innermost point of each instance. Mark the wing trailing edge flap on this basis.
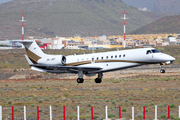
(88, 68)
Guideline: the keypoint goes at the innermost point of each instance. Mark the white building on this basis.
(172, 39)
(57, 42)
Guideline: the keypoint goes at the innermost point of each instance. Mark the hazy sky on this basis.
(149, 4)
(3, 1)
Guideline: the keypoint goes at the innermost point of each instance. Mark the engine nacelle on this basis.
(53, 60)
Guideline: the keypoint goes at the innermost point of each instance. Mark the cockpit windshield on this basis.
(155, 51)
(152, 51)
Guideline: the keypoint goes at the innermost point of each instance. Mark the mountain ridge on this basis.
(167, 24)
(66, 18)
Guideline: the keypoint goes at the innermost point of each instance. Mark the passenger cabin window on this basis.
(106, 57)
(119, 55)
(116, 56)
(111, 56)
(102, 58)
(124, 55)
(148, 52)
(97, 58)
(78, 60)
(82, 59)
(87, 58)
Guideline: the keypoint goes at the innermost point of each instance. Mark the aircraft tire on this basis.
(80, 80)
(162, 71)
(97, 80)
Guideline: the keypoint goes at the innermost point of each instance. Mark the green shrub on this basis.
(29, 116)
(35, 97)
(152, 104)
(112, 108)
(146, 105)
(95, 116)
(172, 106)
(73, 115)
(15, 70)
(113, 102)
(46, 98)
(161, 105)
(89, 105)
(111, 115)
(125, 100)
(140, 116)
(40, 110)
(16, 109)
(66, 94)
(9, 102)
(7, 98)
(30, 98)
(32, 105)
(130, 98)
(124, 110)
(40, 101)
(163, 116)
(57, 101)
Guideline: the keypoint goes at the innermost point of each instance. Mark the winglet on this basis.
(29, 61)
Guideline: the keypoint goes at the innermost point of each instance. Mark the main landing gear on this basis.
(81, 80)
(99, 79)
(80, 77)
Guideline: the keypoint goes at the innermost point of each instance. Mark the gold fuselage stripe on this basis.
(98, 61)
(32, 55)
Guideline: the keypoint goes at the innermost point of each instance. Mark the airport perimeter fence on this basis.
(67, 113)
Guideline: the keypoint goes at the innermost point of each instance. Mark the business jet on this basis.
(92, 64)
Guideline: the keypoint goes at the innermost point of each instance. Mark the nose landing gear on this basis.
(162, 71)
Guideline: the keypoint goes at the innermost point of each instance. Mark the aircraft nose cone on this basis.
(172, 58)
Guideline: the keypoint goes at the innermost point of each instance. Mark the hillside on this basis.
(167, 6)
(49, 18)
(168, 24)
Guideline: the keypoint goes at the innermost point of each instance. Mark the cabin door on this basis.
(93, 59)
(149, 55)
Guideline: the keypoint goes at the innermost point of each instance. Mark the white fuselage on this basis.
(116, 60)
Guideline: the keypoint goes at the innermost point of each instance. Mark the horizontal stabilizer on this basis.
(23, 41)
(38, 69)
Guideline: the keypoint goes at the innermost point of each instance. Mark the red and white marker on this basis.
(124, 26)
(23, 24)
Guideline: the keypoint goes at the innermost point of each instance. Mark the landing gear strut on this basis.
(80, 77)
(99, 79)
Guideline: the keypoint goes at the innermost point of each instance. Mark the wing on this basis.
(66, 69)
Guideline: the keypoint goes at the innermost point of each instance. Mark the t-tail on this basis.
(35, 56)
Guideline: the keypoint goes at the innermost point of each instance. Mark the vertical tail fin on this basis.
(33, 51)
